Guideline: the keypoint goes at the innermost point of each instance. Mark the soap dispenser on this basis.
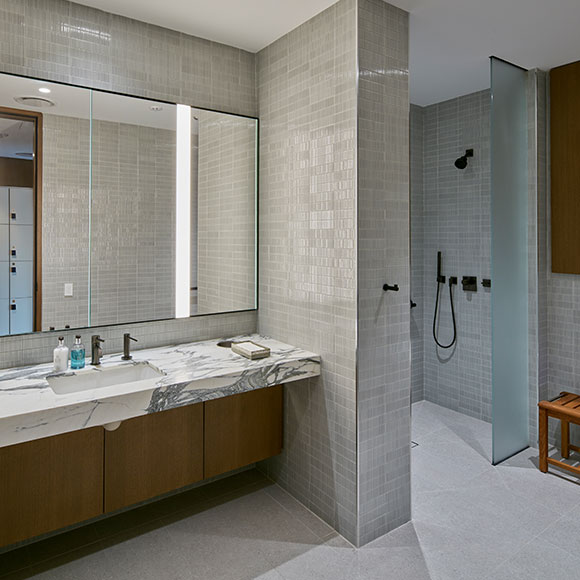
(60, 356)
(77, 354)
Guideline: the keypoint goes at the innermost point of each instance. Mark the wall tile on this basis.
(307, 96)
(62, 41)
(383, 352)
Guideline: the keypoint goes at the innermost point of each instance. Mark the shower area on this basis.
(469, 269)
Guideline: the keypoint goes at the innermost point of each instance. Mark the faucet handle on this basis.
(128, 336)
(97, 339)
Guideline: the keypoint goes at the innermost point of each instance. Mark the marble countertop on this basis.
(194, 372)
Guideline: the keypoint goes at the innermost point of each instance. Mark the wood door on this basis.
(50, 483)
(152, 455)
(242, 429)
(565, 167)
(37, 163)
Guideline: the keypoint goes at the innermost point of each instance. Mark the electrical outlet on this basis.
(68, 289)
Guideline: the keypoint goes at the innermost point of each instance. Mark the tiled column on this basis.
(347, 439)
(383, 353)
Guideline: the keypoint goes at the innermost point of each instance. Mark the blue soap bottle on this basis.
(77, 354)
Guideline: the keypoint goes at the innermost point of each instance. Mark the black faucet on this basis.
(96, 350)
(127, 338)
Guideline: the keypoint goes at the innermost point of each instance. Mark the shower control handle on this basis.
(394, 288)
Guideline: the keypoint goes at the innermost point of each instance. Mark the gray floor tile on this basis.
(471, 521)
(538, 560)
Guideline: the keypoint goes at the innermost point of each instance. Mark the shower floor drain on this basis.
(414, 444)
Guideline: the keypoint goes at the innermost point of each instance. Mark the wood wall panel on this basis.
(565, 167)
(16, 172)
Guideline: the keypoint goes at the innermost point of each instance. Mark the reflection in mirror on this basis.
(117, 209)
(133, 210)
(44, 205)
(223, 212)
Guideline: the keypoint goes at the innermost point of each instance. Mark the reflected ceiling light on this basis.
(25, 154)
(44, 90)
(39, 102)
(156, 108)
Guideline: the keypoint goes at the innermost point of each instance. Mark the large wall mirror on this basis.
(117, 209)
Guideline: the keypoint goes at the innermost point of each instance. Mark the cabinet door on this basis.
(242, 429)
(4, 205)
(4, 317)
(21, 315)
(22, 243)
(50, 483)
(4, 243)
(21, 206)
(152, 455)
(4, 281)
(21, 279)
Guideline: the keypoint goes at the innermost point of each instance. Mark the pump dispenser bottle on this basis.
(77, 354)
(60, 356)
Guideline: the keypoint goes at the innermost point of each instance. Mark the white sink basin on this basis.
(99, 377)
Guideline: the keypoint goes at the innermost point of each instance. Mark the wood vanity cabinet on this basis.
(565, 167)
(151, 455)
(242, 429)
(50, 483)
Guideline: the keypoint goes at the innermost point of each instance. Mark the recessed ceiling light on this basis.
(44, 90)
(156, 108)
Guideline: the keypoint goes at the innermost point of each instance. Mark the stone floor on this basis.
(470, 521)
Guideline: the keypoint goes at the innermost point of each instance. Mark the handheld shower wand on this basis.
(441, 280)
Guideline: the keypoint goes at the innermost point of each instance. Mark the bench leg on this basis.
(543, 437)
(565, 439)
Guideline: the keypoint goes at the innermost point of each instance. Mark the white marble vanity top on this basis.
(195, 372)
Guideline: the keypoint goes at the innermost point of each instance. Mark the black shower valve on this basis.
(452, 280)
(469, 283)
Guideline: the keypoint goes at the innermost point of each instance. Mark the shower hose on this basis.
(452, 316)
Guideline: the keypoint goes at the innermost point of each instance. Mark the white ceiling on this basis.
(450, 43)
(16, 137)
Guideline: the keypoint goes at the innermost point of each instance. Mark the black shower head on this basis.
(461, 163)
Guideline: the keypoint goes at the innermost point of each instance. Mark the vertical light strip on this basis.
(183, 213)
(90, 266)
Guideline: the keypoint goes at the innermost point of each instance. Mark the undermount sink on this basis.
(99, 377)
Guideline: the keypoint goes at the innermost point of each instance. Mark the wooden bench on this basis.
(566, 408)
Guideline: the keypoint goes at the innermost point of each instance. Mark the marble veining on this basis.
(192, 373)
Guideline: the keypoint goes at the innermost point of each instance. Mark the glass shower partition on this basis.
(509, 223)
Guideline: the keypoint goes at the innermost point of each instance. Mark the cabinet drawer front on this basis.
(242, 429)
(50, 483)
(152, 455)
(21, 206)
